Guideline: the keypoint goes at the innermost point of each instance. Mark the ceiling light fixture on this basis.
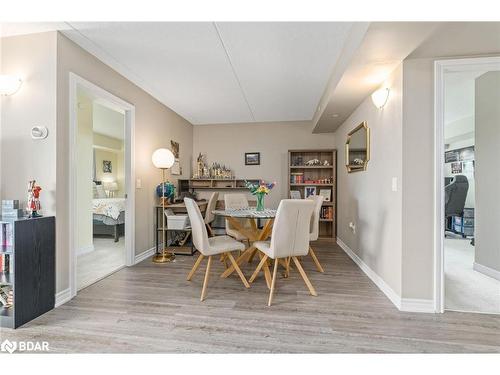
(9, 84)
(379, 97)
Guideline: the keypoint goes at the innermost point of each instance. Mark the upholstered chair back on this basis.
(314, 228)
(236, 201)
(212, 202)
(198, 228)
(291, 228)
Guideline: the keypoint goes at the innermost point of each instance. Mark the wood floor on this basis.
(151, 308)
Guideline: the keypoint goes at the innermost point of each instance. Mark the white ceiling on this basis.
(222, 72)
(107, 121)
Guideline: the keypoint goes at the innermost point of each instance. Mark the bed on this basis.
(109, 217)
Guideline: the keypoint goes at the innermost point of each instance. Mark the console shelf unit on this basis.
(296, 167)
(30, 246)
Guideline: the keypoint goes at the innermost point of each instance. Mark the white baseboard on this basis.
(85, 250)
(62, 297)
(486, 271)
(379, 282)
(417, 305)
(144, 255)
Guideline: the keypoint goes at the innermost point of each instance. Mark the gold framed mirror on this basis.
(357, 148)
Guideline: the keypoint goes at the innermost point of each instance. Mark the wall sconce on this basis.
(379, 97)
(9, 84)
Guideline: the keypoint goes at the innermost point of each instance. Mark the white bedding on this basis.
(109, 207)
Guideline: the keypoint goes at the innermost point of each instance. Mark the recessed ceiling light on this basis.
(335, 115)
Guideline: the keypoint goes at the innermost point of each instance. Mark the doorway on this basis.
(101, 175)
(467, 185)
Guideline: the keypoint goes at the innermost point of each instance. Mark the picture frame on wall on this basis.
(309, 191)
(252, 158)
(327, 194)
(456, 167)
(295, 194)
(175, 148)
(107, 166)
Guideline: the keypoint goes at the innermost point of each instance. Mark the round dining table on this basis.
(237, 218)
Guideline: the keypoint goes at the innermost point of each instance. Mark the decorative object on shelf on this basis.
(309, 190)
(34, 206)
(313, 162)
(216, 171)
(166, 192)
(252, 158)
(164, 159)
(174, 146)
(260, 190)
(358, 161)
(326, 193)
(297, 161)
(326, 163)
(106, 166)
(295, 194)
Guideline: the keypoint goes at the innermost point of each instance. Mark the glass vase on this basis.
(260, 202)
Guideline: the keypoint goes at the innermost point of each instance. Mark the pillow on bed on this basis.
(101, 194)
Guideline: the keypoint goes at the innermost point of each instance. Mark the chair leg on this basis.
(250, 259)
(195, 267)
(316, 261)
(273, 282)
(205, 282)
(259, 267)
(304, 276)
(238, 270)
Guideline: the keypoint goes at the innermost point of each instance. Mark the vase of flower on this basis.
(260, 190)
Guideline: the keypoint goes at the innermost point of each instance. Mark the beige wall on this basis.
(84, 190)
(156, 125)
(487, 130)
(366, 198)
(227, 144)
(33, 57)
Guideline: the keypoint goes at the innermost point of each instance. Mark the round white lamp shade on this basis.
(163, 158)
(9, 85)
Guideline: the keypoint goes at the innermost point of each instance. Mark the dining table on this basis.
(250, 216)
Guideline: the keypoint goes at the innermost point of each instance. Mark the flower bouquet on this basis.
(260, 190)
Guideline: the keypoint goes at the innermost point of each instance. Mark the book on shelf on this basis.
(326, 213)
(6, 234)
(6, 265)
(296, 178)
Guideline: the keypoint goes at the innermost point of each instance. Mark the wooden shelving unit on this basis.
(29, 245)
(322, 177)
(212, 184)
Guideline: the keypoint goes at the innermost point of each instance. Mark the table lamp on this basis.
(163, 159)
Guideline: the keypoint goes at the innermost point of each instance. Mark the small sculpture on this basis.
(34, 206)
(358, 161)
(326, 162)
(313, 162)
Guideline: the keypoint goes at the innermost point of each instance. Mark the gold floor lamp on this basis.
(163, 159)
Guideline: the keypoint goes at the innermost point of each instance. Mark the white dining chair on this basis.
(210, 246)
(314, 228)
(209, 216)
(236, 201)
(290, 238)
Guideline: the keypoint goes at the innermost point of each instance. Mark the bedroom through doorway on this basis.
(100, 189)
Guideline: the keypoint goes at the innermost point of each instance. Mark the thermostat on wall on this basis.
(39, 132)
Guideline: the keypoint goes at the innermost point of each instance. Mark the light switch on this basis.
(138, 183)
(394, 184)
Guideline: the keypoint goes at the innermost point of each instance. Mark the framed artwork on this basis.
(327, 193)
(106, 166)
(176, 168)
(456, 167)
(175, 148)
(309, 190)
(252, 158)
(450, 156)
(295, 194)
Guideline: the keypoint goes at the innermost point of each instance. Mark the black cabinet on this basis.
(28, 248)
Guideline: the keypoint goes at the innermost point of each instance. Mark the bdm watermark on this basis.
(24, 346)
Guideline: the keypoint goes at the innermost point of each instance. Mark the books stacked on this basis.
(6, 234)
(10, 209)
(5, 264)
(6, 296)
(297, 178)
(326, 213)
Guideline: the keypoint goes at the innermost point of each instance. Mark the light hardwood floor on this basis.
(152, 308)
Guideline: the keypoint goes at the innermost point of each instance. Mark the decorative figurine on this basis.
(326, 162)
(34, 206)
(313, 162)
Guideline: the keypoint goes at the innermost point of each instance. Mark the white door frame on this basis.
(75, 82)
(440, 68)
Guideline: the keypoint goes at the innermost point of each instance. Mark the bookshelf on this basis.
(27, 272)
(322, 178)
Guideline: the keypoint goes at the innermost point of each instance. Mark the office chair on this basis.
(455, 194)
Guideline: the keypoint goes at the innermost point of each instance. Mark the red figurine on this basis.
(34, 199)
